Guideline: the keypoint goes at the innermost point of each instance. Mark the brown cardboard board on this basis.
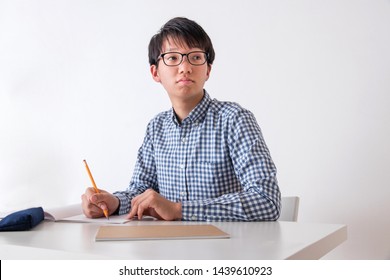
(149, 232)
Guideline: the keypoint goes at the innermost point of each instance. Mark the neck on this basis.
(183, 108)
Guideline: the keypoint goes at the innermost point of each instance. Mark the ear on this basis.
(154, 72)
(208, 71)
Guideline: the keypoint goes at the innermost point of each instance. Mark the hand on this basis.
(94, 203)
(153, 204)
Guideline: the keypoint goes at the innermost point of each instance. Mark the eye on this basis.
(196, 57)
(171, 57)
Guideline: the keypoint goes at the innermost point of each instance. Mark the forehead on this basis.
(176, 44)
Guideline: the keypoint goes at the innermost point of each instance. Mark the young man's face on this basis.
(182, 82)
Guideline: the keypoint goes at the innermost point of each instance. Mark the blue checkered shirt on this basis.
(215, 162)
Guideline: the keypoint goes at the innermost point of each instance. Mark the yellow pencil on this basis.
(105, 211)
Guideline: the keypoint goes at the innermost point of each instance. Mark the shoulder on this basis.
(160, 118)
(158, 124)
(229, 110)
(235, 120)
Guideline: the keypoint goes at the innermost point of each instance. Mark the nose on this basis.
(185, 66)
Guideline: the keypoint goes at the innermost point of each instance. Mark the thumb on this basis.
(97, 198)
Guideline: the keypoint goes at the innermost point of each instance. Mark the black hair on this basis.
(182, 31)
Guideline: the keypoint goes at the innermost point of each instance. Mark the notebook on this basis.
(73, 213)
(153, 232)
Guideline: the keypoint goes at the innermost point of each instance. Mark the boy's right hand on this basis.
(94, 203)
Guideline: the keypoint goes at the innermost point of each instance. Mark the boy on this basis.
(203, 160)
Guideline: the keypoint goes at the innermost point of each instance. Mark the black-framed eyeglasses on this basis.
(196, 58)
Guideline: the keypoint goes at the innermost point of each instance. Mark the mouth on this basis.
(185, 81)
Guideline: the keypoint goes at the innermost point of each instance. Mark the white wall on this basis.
(75, 84)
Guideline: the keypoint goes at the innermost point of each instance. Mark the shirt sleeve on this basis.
(144, 176)
(259, 199)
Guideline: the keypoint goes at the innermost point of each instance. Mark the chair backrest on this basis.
(290, 207)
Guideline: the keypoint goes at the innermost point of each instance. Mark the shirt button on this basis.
(184, 140)
(182, 193)
(182, 166)
(193, 217)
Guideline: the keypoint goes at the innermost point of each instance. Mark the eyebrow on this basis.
(176, 45)
(171, 49)
(177, 50)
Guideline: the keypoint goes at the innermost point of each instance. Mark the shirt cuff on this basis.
(191, 211)
(124, 203)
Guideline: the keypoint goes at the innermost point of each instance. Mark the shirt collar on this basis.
(197, 114)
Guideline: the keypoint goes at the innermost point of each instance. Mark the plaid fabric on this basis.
(215, 163)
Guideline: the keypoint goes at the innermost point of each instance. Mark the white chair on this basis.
(289, 211)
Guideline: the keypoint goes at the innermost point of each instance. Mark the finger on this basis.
(137, 207)
(133, 210)
(84, 198)
(85, 205)
(137, 199)
(133, 213)
(97, 198)
(134, 204)
(92, 211)
(103, 205)
(89, 208)
(140, 211)
(90, 191)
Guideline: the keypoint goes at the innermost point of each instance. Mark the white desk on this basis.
(251, 240)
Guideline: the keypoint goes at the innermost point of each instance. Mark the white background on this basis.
(75, 84)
